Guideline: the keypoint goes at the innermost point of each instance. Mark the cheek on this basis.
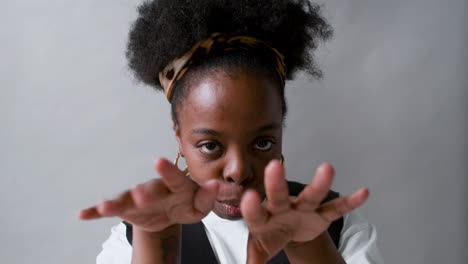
(200, 170)
(200, 175)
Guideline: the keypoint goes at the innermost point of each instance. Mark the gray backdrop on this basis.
(390, 114)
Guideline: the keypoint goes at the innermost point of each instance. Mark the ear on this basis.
(176, 128)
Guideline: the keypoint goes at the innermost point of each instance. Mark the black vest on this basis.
(196, 247)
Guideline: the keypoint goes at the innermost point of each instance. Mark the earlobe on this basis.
(176, 128)
(177, 136)
(175, 125)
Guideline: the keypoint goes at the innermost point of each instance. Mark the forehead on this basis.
(238, 99)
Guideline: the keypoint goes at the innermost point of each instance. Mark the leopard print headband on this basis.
(218, 42)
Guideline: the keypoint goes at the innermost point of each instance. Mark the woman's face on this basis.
(230, 127)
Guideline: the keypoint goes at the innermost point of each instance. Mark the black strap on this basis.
(196, 247)
(128, 232)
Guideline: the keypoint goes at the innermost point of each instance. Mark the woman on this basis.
(223, 65)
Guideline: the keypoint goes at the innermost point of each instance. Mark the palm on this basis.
(159, 203)
(283, 220)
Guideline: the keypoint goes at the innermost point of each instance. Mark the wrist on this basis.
(169, 231)
(157, 247)
(319, 250)
(293, 245)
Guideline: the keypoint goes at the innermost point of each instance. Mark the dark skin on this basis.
(229, 130)
(229, 133)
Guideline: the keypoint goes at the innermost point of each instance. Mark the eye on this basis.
(209, 147)
(264, 144)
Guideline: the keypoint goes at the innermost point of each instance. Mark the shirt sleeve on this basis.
(116, 249)
(358, 241)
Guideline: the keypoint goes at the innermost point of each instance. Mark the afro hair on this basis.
(166, 29)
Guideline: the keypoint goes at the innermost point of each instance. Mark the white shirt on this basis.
(358, 241)
(227, 237)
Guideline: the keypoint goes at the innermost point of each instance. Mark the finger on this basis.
(337, 208)
(89, 214)
(124, 201)
(171, 175)
(252, 210)
(145, 195)
(108, 208)
(117, 206)
(205, 197)
(276, 188)
(313, 194)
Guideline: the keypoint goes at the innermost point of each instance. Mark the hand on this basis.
(159, 203)
(281, 221)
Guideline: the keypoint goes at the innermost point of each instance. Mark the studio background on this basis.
(390, 114)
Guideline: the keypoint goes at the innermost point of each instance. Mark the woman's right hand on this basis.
(159, 203)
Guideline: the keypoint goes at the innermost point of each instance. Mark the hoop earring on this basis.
(176, 163)
(282, 159)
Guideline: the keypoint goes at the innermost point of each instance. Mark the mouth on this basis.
(235, 203)
(227, 204)
(229, 209)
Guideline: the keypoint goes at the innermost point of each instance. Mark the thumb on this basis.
(205, 197)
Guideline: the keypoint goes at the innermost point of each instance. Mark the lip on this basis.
(233, 202)
(229, 209)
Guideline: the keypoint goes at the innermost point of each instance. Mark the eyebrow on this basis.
(205, 131)
(212, 132)
(268, 127)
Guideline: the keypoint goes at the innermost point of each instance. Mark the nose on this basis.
(238, 169)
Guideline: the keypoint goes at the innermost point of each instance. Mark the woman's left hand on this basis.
(281, 221)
